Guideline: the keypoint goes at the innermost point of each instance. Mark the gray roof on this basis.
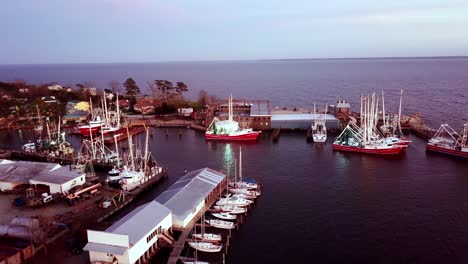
(260, 109)
(114, 250)
(140, 221)
(24, 171)
(300, 116)
(184, 195)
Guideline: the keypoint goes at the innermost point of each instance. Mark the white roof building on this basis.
(59, 178)
(132, 239)
(187, 196)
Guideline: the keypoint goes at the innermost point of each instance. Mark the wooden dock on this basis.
(180, 243)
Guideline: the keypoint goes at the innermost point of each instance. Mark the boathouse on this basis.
(132, 239)
(188, 195)
(300, 119)
(58, 178)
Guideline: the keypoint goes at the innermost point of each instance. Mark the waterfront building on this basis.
(188, 195)
(134, 238)
(59, 179)
(301, 119)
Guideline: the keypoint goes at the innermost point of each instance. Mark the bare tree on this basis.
(115, 86)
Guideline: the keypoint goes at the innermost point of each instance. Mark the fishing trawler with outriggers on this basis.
(448, 141)
(366, 138)
(229, 129)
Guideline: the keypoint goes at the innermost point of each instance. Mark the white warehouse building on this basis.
(188, 195)
(59, 179)
(132, 239)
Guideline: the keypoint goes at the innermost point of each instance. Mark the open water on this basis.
(318, 205)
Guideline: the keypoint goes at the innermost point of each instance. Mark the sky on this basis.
(107, 31)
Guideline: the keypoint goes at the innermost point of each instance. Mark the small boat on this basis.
(234, 201)
(232, 209)
(208, 237)
(229, 129)
(243, 185)
(29, 147)
(114, 176)
(319, 129)
(220, 224)
(249, 194)
(196, 262)
(225, 216)
(206, 246)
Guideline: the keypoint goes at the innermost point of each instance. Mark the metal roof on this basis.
(184, 195)
(114, 250)
(260, 109)
(300, 116)
(25, 171)
(140, 221)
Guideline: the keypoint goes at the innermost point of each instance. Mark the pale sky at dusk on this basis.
(81, 31)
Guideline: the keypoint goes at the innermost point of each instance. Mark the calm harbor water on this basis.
(317, 205)
(323, 206)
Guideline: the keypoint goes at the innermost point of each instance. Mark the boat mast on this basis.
(230, 108)
(383, 111)
(48, 129)
(58, 131)
(93, 150)
(118, 110)
(117, 151)
(399, 113)
(240, 164)
(105, 109)
(130, 146)
(91, 108)
(146, 148)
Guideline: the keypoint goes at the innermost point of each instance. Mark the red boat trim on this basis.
(387, 151)
(452, 152)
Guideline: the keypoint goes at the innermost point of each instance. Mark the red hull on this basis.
(388, 151)
(85, 131)
(121, 134)
(248, 136)
(451, 152)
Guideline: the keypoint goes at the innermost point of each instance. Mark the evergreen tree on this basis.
(131, 88)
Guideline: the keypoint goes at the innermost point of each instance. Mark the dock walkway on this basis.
(180, 243)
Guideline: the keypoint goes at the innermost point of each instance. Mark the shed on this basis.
(187, 196)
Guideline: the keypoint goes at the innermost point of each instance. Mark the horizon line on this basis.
(246, 60)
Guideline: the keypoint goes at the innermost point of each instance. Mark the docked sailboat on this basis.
(224, 216)
(319, 129)
(366, 139)
(448, 141)
(229, 129)
(237, 201)
(232, 209)
(208, 237)
(242, 185)
(392, 130)
(206, 246)
(220, 224)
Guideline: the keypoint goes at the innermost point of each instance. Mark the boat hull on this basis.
(121, 134)
(86, 131)
(379, 151)
(242, 137)
(447, 151)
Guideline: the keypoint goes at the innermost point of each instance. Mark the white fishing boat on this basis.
(131, 179)
(206, 246)
(232, 209)
(114, 176)
(225, 216)
(319, 129)
(208, 237)
(220, 224)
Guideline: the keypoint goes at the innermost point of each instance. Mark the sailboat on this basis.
(224, 216)
(229, 129)
(206, 237)
(232, 209)
(366, 138)
(319, 129)
(392, 132)
(242, 184)
(220, 224)
(206, 246)
(448, 141)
